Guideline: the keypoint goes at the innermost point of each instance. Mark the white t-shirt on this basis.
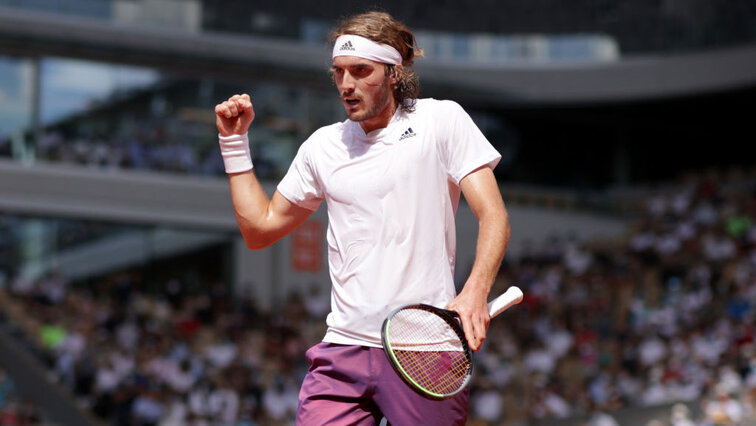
(392, 196)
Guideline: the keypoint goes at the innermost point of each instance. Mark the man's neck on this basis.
(381, 120)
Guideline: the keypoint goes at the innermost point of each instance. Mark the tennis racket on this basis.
(428, 349)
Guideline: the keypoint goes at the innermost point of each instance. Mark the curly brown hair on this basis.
(383, 28)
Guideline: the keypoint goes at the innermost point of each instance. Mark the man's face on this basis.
(365, 91)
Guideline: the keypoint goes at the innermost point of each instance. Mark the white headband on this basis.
(361, 47)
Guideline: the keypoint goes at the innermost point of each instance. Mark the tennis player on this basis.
(391, 175)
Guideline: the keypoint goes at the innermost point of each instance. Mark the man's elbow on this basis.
(495, 215)
(256, 245)
(256, 239)
(497, 221)
(257, 242)
(504, 221)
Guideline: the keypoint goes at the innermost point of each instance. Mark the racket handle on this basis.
(511, 297)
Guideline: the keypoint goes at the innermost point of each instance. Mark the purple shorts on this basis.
(355, 385)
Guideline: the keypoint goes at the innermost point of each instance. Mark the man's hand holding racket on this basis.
(429, 350)
(472, 309)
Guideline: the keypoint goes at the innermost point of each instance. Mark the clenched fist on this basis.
(234, 116)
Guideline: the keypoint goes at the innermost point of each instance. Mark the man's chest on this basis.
(372, 171)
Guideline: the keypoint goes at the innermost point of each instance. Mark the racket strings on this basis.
(429, 351)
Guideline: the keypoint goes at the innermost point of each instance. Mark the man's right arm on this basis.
(262, 221)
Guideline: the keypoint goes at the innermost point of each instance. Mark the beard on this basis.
(375, 107)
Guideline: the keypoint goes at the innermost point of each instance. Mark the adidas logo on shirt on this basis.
(407, 134)
(346, 46)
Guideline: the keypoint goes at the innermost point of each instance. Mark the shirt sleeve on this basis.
(300, 185)
(463, 147)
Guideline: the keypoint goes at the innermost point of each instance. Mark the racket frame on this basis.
(450, 317)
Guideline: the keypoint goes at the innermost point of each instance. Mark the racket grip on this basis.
(511, 297)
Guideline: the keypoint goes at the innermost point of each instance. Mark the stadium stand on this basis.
(661, 316)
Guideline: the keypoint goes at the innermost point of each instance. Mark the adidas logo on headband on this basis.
(361, 47)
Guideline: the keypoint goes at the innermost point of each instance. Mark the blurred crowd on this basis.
(661, 316)
(166, 359)
(180, 148)
(150, 148)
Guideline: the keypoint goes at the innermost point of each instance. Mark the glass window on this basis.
(460, 46)
(123, 116)
(111, 115)
(32, 248)
(88, 8)
(16, 103)
(73, 87)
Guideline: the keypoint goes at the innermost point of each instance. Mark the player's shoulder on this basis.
(437, 106)
(329, 130)
(324, 135)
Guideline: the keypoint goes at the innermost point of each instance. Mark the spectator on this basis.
(280, 401)
(486, 402)
(681, 416)
(723, 409)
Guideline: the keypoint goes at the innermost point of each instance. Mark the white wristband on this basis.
(235, 152)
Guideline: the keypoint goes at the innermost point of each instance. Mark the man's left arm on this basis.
(484, 198)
